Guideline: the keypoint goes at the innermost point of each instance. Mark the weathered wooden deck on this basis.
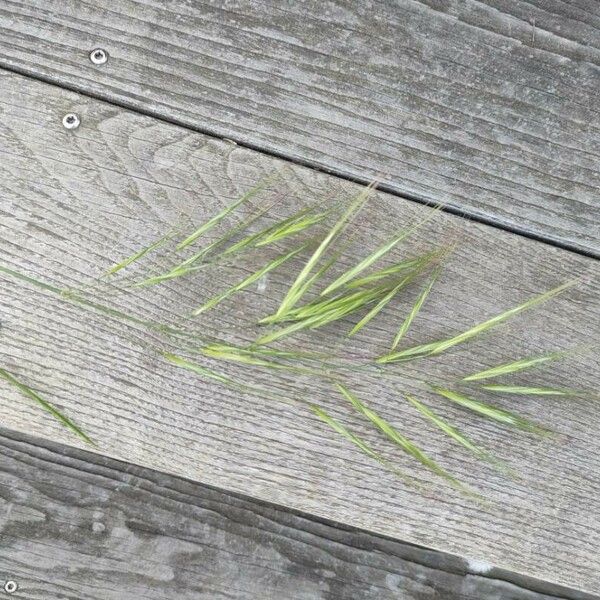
(86, 526)
(489, 107)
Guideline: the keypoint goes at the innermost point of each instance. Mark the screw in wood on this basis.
(98, 56)
(10, 587)
(71, 121)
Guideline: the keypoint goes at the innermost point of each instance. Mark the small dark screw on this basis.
(98, 56)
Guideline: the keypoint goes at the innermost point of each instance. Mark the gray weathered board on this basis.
(73, 202)
(79, 525)
(491, 107)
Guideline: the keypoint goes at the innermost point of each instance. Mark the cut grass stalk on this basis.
(31, 394)
(248, 280)
(32, 280)
(355, 290)
(375, 256)
(415, 309)
(297, 288)
(434, 348)
(395, 436)
(208, 225)
(225, 380)
(109, 311)
(491, 412)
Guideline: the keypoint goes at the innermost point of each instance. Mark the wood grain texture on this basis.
(78, 525)
(73, 202)
(490, 107)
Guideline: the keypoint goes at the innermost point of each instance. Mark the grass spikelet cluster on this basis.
(297, 289)
(316, 238)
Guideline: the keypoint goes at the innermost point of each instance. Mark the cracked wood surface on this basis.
(490, 107)
(73, 202)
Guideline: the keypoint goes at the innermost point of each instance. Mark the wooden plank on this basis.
(78, 525)
(490, 107)
(73, 202)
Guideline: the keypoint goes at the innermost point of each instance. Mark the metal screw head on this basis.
(71, 121)
(10, 587)
(98, 56)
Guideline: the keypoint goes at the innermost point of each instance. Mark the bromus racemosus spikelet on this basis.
(139, 254)
(395, 436)
(351, 274)
(439, 347)
(349, 304)
(414, 311)
(455, 434)
(49, 408)
(357, 441)
(213, 221)
(201, 258)
(516, 366)
(529, 390)
(491, 412)
(248, 281)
